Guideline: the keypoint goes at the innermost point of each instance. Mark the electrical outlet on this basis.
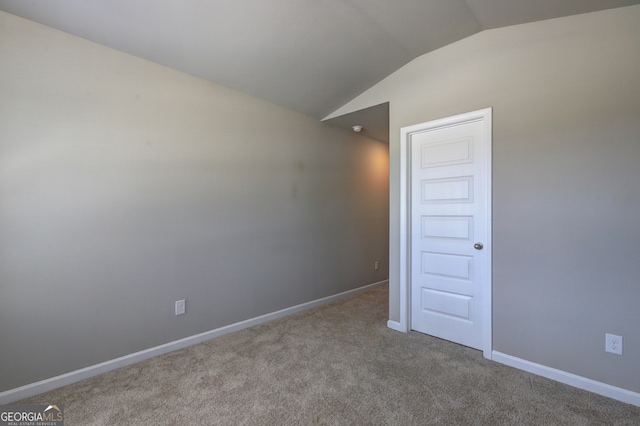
(181, 307)
(376, 265)
(614, 344)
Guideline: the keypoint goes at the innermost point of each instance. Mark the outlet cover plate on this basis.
(614, 344)
(181, 307)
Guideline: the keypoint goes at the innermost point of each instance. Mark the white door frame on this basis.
(404, 325)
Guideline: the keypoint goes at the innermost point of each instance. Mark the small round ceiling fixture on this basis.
(357, 129)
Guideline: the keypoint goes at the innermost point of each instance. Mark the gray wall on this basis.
(566, 180)
(125, 186)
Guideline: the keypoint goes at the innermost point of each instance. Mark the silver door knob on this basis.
(478, 246)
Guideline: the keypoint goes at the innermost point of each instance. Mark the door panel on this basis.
(446, 303)
(449, 227)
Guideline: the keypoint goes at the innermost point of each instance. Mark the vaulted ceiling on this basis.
(310, 56)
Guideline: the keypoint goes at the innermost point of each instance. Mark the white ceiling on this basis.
(310, 56)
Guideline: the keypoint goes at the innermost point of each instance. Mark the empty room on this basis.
(320, 212)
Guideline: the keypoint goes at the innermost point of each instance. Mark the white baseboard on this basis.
(36, 388)
(567, 378)
(395, 325)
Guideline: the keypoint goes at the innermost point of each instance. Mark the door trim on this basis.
(484, 115)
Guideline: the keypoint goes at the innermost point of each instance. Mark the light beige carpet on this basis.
(334, 365)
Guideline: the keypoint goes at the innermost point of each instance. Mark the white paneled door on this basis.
(449, 257)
